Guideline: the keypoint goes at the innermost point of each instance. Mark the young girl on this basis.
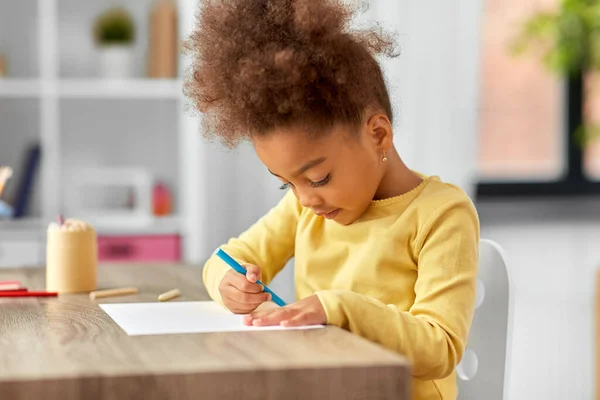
(380, 250)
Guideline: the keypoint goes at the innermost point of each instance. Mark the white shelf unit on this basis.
(19, 88)
(82, 120)
(116, 89)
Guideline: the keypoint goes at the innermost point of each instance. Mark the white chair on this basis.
(483, 373)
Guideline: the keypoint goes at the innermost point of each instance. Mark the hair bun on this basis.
(317, 19)
(260, 64)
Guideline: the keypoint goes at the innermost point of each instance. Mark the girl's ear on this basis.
(379, 130)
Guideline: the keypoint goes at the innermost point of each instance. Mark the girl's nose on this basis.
(309, 199)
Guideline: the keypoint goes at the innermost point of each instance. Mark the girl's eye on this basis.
(322, 182)
(285, 186)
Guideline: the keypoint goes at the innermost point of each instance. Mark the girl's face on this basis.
(336, 175)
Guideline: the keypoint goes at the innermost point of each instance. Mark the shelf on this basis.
(36, 227)
(131, 88)
(95, 88)
(168, 225)
(24, 228)
(10, 87)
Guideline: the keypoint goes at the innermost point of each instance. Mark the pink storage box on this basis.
(159, 248)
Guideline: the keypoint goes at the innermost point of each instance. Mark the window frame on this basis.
(574, 183)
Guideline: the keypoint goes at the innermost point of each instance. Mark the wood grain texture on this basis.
(68, 348)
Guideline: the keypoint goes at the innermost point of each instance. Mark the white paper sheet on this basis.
(179, 317)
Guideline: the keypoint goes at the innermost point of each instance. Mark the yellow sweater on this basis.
(403, 275)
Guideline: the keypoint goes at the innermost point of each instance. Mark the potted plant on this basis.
(567, 41)
(114, 34)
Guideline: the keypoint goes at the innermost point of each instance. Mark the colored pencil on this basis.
(98, 294)
(241, 270)
(24, 293)
(171, 294)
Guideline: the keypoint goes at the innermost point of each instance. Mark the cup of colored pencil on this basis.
(71, 256)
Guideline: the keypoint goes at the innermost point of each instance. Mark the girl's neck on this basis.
(397, 179)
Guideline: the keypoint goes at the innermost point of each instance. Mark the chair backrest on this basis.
(482, 370)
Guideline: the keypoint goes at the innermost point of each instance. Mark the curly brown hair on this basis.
(263, 64)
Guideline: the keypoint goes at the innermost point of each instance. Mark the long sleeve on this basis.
(268, 244)
(432, 334)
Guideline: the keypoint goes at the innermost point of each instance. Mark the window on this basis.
(525, 143)
(591, 153)
(592, 160)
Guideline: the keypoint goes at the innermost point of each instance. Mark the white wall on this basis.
(435, 84)
(553, 255)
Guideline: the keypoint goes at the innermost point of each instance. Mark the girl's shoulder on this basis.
(438, 193)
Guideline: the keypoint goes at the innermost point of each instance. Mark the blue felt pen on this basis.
(237, 267)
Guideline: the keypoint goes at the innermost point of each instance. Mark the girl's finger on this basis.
(248, 300)
(241, 283)
(259, 314)
(237, 308)
(274, 317)
(302, 318)
(264, 311)
(253, 273)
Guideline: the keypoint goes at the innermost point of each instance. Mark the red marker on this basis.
(25, 293)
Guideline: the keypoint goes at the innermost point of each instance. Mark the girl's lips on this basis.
(332, 214)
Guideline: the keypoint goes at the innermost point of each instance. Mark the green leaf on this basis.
(566, 41)
(586, 134)
(114, 26)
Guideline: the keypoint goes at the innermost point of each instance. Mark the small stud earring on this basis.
(384, 159)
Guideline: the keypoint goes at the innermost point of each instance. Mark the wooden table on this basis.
(68, 348)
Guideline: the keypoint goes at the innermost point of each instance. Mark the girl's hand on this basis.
(240, 293)
(308, 311)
